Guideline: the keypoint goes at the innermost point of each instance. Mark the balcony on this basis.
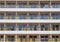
(30, 4)
(30, 16)
(31, 38)
(30, 27)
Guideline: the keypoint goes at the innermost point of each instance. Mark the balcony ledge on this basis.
(30, 9)
(29, 32)
(29, 21)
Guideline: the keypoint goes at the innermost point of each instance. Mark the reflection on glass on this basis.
(55, 5)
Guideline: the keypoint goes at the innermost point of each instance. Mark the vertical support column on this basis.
(27, 4)
(4, 37)
(16, 28)
(5, 17)
(50, 27)
(28, 15)
(16, 16)
(5, 27)
(50, 16)
(5, 3)
(16, 38)
(39, 27)
(50, 38)
(50, 4)
(27, 38)
(39, 38)
(28, 28)
(39, 15)
(39, 4)
(16, 4)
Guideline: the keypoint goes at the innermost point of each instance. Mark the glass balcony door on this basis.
(44, 16)
(22, 27)
(11, 39)
(1, 16)
(55, 16)
(55, 27)
(11, 16)
(44, 38)
(22, 6)
(45, 5)
(33, 27)
(33, 16)
(44, 27)
(23, 16)
(1, 26)
(11, 26)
